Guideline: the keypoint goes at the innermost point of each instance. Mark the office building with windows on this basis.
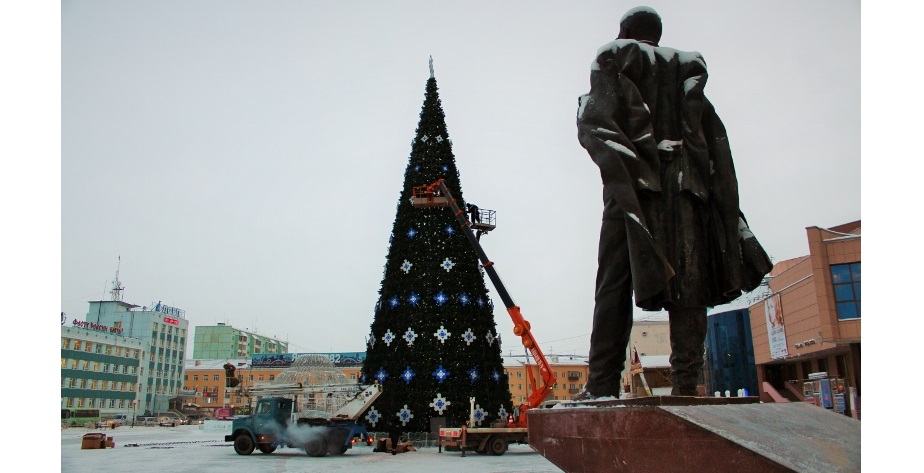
(101, 369)
(163, 331)
(224, 341)
(808, 327)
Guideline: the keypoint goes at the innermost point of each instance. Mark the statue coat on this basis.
(667, 168)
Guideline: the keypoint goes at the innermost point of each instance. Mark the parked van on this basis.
(122, 419)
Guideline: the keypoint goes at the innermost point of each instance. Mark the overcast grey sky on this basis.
(244, 159)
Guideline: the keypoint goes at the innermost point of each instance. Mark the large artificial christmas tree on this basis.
(433, 342)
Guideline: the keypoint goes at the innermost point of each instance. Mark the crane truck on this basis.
(282, 417)
(501, 433)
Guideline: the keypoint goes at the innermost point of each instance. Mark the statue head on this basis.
(642, 24)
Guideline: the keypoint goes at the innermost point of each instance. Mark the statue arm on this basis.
(614, 124)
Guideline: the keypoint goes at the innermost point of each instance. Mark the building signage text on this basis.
(92, 326)
(167, 310)
(171, 321)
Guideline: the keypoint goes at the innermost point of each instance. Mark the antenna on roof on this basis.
(116, 292)
(431, 67)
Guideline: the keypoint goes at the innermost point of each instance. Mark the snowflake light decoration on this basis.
(473, 374)
(479, 301)
(445, 168)
(424, 138)
(439, 138)
(469, 337)
(405, 415)
(480, 414)
(449, 230)
(406, 266)
(394, 302)
(447, 264)
(439, 404)
(440, 298)
(442, 334)
(407, 375)
(496, 376)
(409, 336)
(490, 338)
(463, 299)
(411, 233)
(413, 299)
(502, 413)
(388, 337)
(417, 168)
(440, 374)
(373, 416)
(381, 375)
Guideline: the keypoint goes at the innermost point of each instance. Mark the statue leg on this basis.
(688, 338)
(612, 311)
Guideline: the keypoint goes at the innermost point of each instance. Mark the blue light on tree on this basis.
(473, 374)
(407, 375)
(413, 299)
(382, 375)
(440, 298)
(441, 374)
(463, 299)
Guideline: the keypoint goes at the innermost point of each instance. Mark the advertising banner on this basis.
(776, 332)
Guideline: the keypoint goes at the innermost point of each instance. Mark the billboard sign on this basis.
(776, 331)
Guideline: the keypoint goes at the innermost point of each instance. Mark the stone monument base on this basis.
(694, 434)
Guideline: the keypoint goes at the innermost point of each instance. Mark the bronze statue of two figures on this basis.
(672, 231)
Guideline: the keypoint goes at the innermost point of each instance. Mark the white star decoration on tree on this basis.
(409, 336)
(479, 414)
(439, 404)
(502, 413)
(406, 266)
(439, 139)
(442, 334)
(405, 415)
(388, 338)
(373, 416)
(468, 336)
(490, 338)
(447, 264)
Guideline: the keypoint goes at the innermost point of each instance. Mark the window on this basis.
(108, 349)
(99, 348)
(215, 377)
(65, 343)
(846, 279)
(86, 365)
(88, 346)
(70, 402)
(63, 363)
(73, 383)
(77, 345)
(73, 364)
(272, 377)
(93, 384)
(118, 351)
(95, 366)
(195, 377)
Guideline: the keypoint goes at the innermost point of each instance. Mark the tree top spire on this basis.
(431, 67)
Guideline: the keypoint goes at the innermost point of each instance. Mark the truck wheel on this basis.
(266, 448)
(316, 447)
(243, 444)
(497, 445)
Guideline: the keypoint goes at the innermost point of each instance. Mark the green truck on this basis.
(289, 416)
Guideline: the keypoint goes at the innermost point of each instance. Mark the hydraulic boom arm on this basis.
(439, 192)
